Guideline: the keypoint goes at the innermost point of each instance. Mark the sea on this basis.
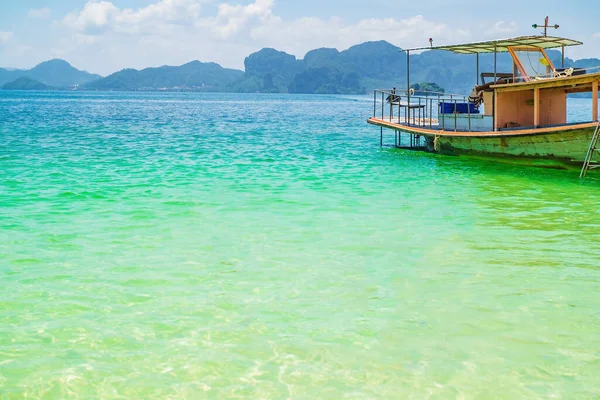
(254, 246)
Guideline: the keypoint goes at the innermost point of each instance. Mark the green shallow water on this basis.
(224, 246)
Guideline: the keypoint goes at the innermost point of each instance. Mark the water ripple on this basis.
(264, 246)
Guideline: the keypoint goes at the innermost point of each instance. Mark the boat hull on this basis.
(564, 144)
(569, 145)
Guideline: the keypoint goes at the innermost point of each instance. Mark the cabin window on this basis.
(530, 62)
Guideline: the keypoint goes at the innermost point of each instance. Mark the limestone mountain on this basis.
(356, 70)
(368, 66)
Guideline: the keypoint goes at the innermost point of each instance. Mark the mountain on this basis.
(368, 66)
(60, 73)
(274, 62)
(320, 57)
(7, 75)
(25, 83)
(357, 70)
(323, 70)
(191, 76)
(267, 71)
(325, 80)
(56, 73)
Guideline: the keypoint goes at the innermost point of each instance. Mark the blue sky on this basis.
(104, 36)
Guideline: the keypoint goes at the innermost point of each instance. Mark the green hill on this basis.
(267, 71)
(322, 70)
(55, 73)
(25, 83)
(191, 76)
(357, 70)
(368, 66)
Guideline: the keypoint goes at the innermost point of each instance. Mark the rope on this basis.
(476, 97)
(566, 72)
(436, 145)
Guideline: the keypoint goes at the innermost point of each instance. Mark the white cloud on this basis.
(255, 22)
(103, 37)
(301, 35)
(11, 50)
(95, 16)
(20, 50)
(596, 35)
(82, 39)
(99, 16)
(232, 19)
(5, 37)
(503, 28)
(39, 13)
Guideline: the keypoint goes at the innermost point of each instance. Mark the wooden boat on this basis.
(524, 111)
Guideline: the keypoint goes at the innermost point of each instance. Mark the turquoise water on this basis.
(177, 246)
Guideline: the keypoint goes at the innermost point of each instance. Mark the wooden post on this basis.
(477, 69)
(408, 80)
(536, 107)
(495, 63)
(595, 101)
(494, 111)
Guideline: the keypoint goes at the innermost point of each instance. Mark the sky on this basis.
(105, 36)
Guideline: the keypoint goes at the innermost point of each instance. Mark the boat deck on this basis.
(431, 123)
(400, 124)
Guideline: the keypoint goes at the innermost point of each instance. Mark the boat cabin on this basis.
(531, 95)
(516, 114)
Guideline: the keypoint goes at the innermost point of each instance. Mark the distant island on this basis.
(194, 76)
(357, 70)
(58, 74)
(25, 83)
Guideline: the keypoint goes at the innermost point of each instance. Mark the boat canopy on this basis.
(502, 45)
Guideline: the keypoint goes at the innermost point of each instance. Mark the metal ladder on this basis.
(590, 153)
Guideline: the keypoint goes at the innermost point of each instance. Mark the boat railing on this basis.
(422, 109)
(557, 73)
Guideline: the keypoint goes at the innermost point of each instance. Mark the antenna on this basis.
(545, 26)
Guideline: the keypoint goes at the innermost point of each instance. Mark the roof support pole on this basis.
(536, 107)
(563, 56)
(495, 62)
(595, 101)
(408, 85)
(494, 107)
(477, 68)
(495, 97)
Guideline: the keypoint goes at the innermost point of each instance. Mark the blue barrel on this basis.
(461, 108)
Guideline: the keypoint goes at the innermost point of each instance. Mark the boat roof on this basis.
(501, 45)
